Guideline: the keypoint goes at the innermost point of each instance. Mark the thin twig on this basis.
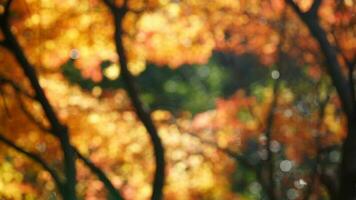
(16, 87)
(31, 117)
(38, 160)
(233, 155)
(3, 98)
(271, 114)
(319, 149)
(101, 175)
(238, 158)
(93, 168)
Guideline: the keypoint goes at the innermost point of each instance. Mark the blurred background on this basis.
(206, 100)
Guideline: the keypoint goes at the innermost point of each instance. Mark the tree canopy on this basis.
(177, 99)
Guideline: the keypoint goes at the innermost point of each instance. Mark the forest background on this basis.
(177, 99)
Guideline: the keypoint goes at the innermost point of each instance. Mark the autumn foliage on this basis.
(177, 99)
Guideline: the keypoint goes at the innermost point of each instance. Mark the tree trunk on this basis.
(347, 173)
(348, 164)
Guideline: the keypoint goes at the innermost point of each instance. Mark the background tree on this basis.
(242, 109)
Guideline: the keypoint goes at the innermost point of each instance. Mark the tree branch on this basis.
(295, 7)
(3, 98)
(238, 158)
(350, 66)
(270, 120)
(330, 185)
(32, 118)
(347, 172)
(271, 114)
(59, 129)
(332, 64)
(114, 9)
(145, 118)
(315, 173)
(38, 160)
(3, 43)
(94, 169)
(313, 11)
(6, 13)
(235, 156)
(143, 115)
(101, 175)
(16, 87)
(111, 5)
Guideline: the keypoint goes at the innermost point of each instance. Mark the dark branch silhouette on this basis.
(93, 168)
(271, 114)
(350, 65)
(16, 87)
(315, 172)
(333, 66)
(268, 133)
(3, 43)
(32, 118)
(314, 8)
(238, 158)
(231, 154)
(347, 170)
(4, 102)
(101, 175)
(159, 176)
(37, 160)
(58, 129)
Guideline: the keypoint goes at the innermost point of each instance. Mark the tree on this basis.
(345, 89)
(67, 188)
(118, 14)
(230, 95)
